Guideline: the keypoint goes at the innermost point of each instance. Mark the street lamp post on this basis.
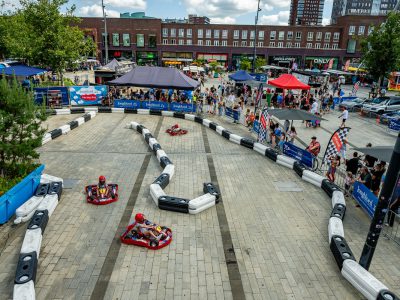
(255, 38)
(105, 32)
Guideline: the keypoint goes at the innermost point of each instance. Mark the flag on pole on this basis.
(259, 94)
(335, 143)
(262, 133)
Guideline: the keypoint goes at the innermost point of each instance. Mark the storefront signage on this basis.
(365, 198)
(87, 95)
(125, 103)
(283, 58)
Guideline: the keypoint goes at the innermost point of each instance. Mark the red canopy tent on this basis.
(288, 82)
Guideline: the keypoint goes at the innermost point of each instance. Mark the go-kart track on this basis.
(266, 239)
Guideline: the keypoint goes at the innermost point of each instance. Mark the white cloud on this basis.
(226, 20)
(95, 11)
(267, 7)
(9, 5)
(220, 8)
(326, 21)
(281, 18)
(131, 4)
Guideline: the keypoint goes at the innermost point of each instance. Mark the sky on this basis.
(273, 12)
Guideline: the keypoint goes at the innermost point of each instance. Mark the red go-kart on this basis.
(101, 196)
(176, 130)
(132, 237)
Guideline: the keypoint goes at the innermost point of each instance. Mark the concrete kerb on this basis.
(24, 283)
(362, 280)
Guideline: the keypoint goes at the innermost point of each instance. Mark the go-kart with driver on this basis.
(102, 193)
(176, 130)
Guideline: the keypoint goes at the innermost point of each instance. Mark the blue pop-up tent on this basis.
(241, 76)
(22, 71)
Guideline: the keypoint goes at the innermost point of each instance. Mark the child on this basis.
(251, 120)
(349, 180)
(343, 150)
(146, 227)
(281, 141)
(334, 163)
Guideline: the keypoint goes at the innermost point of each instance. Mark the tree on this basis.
(260, 62)
(381, 49)
(20, 129)
(245, 64)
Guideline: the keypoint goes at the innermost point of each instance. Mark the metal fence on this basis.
(392, 230)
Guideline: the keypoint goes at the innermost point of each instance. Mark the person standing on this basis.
(353, 164)
(292, 134)
(344, 116)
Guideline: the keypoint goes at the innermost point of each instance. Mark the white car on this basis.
(388, 105)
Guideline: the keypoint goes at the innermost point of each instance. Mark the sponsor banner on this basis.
(125, 103)
(156, 105)
(182, 107)
(256, 126)
(298, 153)
(365, 198)
(394, 125)
(259, 77)
(229, 112)
(57, 95)
(87, 95)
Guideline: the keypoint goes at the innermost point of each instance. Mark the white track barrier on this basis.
(93, 112)
(24, 291)
(338, 198)
(189, 117)
(335, 227)
(156, 192)
(145, 131)
(235, 138)
(26, 210)
(167, 113)
(199, 210)
(170, 170)
(219, 129)
(201, 201)
(260, 148)
(206, 122)
(160, 153)
(152, 141)
(117, 110)
(313, 178)
(143, 111)
(32, 241)
(285, 161)
(91, 109)
(46, 178)
(65, 129)
(80, 121)
(362, 280)
(50, 203)
(63, 111)
(134, 125)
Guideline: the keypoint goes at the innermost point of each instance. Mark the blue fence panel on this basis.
(182, 107)
(229, 112)
(125, 103)
(297, 153)
(87, 95)
(19, 194)
(259, 77)
(50, 93)
(256, 126)
(156, 105)
(394, 125)
(365, 198)
(338, 100)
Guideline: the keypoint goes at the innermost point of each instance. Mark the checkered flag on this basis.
(262, 133)
(335, 143)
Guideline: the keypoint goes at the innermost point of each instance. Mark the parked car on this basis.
(387, 105)
(386, 118)
(352, 105)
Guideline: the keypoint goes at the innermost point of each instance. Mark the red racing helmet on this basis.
(102, 179)
(139, 218)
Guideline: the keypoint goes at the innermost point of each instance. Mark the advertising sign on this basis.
(87, 95)
(54, 94)
(124, 103)
(365, 198)
(182, 107)
(256, 126)
(298, 153)
(156, 105)
(259, 77)
(229, 112)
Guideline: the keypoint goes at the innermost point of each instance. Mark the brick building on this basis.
(150, 41)
(306, 12)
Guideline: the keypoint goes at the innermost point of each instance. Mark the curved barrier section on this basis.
(49, 191)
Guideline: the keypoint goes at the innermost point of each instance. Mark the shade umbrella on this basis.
(241, 76)
(380, 152)
(294, 114)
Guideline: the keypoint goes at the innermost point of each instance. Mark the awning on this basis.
(289, 82)
(380, 152)
(22, 70)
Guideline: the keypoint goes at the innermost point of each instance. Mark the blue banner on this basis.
(259, 77)
(365, 198)
(229, 112)
(125, 103)
(256, 126)
(182, 107)
(394, 125)
(54, 95)
(298, 153)
(338, 100)
(87, 95)
(156, 105)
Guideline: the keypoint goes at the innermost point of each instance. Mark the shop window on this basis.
(260, 44)
(165, 32)
(200, 33)
(200, 42)
(280, 44)
(298, 35)
(225, 34)
(235, 43)
(224, 43)
(244, 44)
(289, 35)
(188, 42)
(165, 41)
(208, 43)
(115, 39)
(281, 36)
(126, 39)
(152, 41)
(261, 35)
(173, 32)
(272, 35)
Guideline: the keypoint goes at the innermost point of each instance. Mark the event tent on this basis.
(380, 152)
(288, 82)
(22, 71)
(112, 65)
(241, 76)
(156, 77)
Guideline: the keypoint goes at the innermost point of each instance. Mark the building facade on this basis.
(306, 12)
(361, 7)
(151, 42)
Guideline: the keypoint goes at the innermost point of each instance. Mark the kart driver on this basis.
(102, 184)
(147, 230)
(176, 128)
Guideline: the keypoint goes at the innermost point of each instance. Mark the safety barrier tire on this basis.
(362, 280)
(162, 180)
(329, 187)
(77, 110)
(26, 268)
(248, 143)
(335, 227)
(299, 168)
(271, 154)
(179, 115)
(213, 126)
(198, 120)
(55, 188)
(340, 250)
(55, 133)
(339, 211)
(226, 134)
(104, 109)
(154, 112)
(173, 204)
(130, 111)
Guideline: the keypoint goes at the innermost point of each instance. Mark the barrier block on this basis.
(271, 154)
(179, 115)
(92, 113)
(32, 241)
(173, 204)
(387, 295)
(63, 111)
(46, 178)
(39, 220)
(42, 189)
(49, 203)
(248, 143)
(80, 120)
(103, 109)
(338, 198)
(55, 133)
(156, 147)
(362, 280)
(338, 211)
(285, 161)
(189, 117)
(165, 161)
(219, 129)
(133, 125)
(117, 110)
(26, 268)
(235, 138)
(90, 109)
(73, 124)
(167, 113)
(340, 250)
(170, 170)
(201, 201)
(210, 188)
(312, 178)
(147, 137)
(161, 153)
(142, 111)
(130, 111)
(206, 122)
(154, 112)
(202, 208)
(24, 291)
(151, 142)
(65, 129)
(329, 187)
(156, 192)
(299, 168)
(139, 128)
(198, 120)
(46, 140)
(77, 110)
(28, 207)
(87, 117)
(260, 148)
(213, 126)
(145, 131)
(226, 133)
(55, 188)
(335, 227)
(162, 180)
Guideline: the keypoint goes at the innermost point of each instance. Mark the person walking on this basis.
(344, 116)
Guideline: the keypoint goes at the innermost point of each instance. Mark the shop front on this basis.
(221, 59)
(285, 61)
(146, 58)
(321, 63)
(176, 59)
(237, 58)
(120, 54)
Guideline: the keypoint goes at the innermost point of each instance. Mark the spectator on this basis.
(281, 141)
(353, 164)
(292, 134)
(334, 163)
(344, 116)
(365, 177)
(277, 133)
(231, 100)
(393, 210)
(314, 147)
(370, 160)
(271, 131)
(286, 126)
(343, 150)
(348, 182)
(377, 174)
